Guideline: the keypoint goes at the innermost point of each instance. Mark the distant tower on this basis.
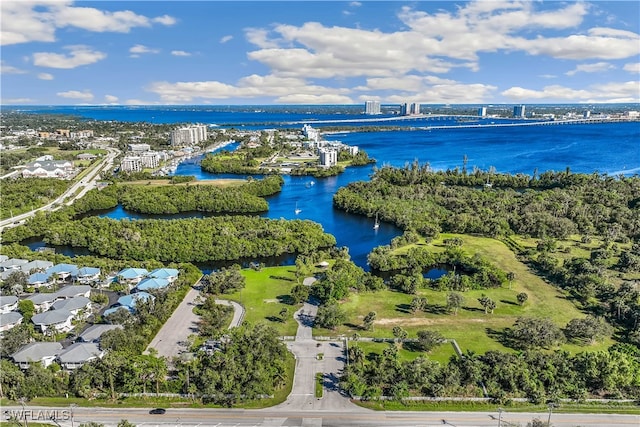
(404, 109)
(587, 114)
(518, 111)
(372, 107)
(415, 108)
(482, 111)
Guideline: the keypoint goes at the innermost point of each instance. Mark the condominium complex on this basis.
(328, 157)
(518, 111)
(189, 135)
(482, 111)
(372, 107)
(408, 109)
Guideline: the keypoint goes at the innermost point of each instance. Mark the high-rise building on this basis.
(518, 111)
(189, 135)
(482, 111)
(372, 107)
(328, 157)
(412, 109)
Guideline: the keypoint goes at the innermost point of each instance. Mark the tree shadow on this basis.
(436, 309)
(351, 325)
(473, 309)
(403, 308)
(503, 337)
(286, 299)
(288, 279)
(273, 319)
(504, 301)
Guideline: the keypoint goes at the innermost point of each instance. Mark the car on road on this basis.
(157, 411)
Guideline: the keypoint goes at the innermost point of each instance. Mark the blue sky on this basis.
(325, 52)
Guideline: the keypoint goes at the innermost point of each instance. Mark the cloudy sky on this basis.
(324, 52)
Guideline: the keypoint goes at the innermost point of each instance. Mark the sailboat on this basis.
(297, 210)
(376, 225)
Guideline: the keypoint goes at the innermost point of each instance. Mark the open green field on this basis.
(265, 294)
(471, 327)
(441, 353)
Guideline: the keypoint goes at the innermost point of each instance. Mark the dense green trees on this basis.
(536, 375)
(551, 204)
(186, 240)
(24, 194)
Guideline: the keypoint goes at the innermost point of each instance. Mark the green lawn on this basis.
(471, 327)
(265, 294)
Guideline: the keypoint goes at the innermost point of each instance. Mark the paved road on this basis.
(316, 418)
(86, 184)
(171, 339)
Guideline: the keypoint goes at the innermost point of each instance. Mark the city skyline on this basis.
(211, 52)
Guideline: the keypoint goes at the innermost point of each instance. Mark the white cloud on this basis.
(111, 99)
(10, 69)
(76, 94)
(45, 76)
(180, 53)
(603, 92)
(37, 20)
(10, 101)
(78, 55)
(140, 49)
(597, 67)
(226, 39)
(632, 67)
(253, 86)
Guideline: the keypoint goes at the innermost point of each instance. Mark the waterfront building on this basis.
(410, 109)
(131, 164)
(328, 157)
(372, 107)
(482, 111)
(150, 159)
(519, 111)
(189, 135)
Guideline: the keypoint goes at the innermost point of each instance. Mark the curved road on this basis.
(81, 187)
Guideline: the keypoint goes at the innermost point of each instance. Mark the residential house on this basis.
(171, 274)
(76, 355)
(12, 264)
(132, 300)
(43, 301)
(37, 266)
(57, 320)
(73, 291)
(40, 279)
(4, 276)
(88, 275)
(9, 320)
(151, 284)
(80, 307)
(132, 276)
(8, 303)
(63, 271)
(94, 332)
(37, 352)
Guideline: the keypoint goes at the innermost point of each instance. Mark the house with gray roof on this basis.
(73, 291)
(58, 320)
(48, 169)
(37, 265)
(42, 301)
(8, 303)
(9, 320)
(94, 332)
(12, 264)
(76, 355)
(37, 352)
(80, 307)
(7, 273)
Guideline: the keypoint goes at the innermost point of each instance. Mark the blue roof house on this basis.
(63, 270)
(152, 284)
(171, 274)
(88, 274)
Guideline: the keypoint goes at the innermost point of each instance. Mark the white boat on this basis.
(376, 225)
(297, 211)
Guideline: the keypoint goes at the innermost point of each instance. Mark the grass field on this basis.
(265, 294)
(471, 327)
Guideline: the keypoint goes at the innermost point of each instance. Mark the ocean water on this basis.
(608, 148)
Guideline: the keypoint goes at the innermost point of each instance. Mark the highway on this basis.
(280, 416)
(74, 192)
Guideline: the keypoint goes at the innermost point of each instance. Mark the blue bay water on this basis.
(609, 148)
